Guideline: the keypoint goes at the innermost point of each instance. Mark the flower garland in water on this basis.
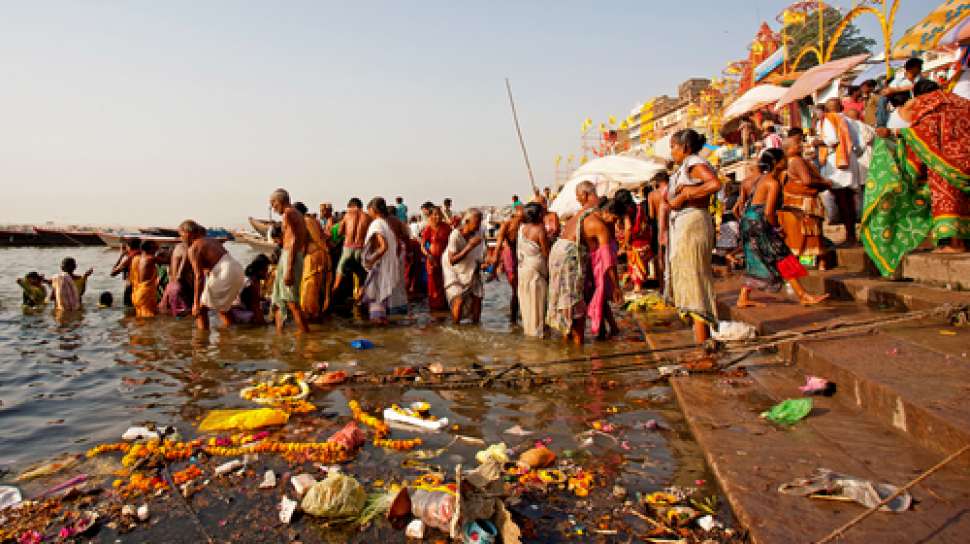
(381, 428)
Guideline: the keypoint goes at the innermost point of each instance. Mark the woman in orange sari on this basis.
(144, 281)
(434, 241)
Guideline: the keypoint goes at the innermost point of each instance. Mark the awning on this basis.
(926, 34)
(818, 77)
(754, 98)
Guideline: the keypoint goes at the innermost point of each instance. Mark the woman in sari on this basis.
(901, 209)
(689, 281)
(639, 250)
(533, 274)
(434, 241)
(767, 259)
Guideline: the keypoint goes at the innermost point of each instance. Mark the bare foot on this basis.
(750, 304)
(811, 300)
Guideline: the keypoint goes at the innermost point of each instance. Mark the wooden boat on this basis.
(255, 241)
(18, 238)
(70, 237)
(261, 226)
(114, 239)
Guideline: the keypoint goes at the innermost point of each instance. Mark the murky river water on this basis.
(68, 385)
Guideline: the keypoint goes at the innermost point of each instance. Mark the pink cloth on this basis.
(510, 265)
(601, 260)
(65, 292)
(173, 302)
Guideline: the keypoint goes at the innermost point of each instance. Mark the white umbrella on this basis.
(609, 174)
(661, 148)
(754, 98)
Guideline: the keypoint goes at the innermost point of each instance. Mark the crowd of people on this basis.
(896, 159)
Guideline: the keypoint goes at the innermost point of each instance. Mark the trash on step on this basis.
(361, 343)
(827, 484)
(728, 331)
(788, 412)
(287, 508)
(539, 457)
(301, 483)
(415, 529)
(334, 377)
(434, 508)
(142, 512)
(269, 480)
(494, 451)
(413, 417)
(139, 433)
(815, 385)
(228, 467)
(9, 496)
(350, 437)
(337, 497)
(227, 420)
(480, 531)
(517, 430)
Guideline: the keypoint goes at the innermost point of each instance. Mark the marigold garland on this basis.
(399, 445)
(381, 428)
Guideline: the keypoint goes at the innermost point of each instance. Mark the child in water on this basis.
(35, 294)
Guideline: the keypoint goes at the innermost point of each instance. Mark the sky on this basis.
(148, 113)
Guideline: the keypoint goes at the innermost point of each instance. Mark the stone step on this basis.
(751, 458)
(877, 292)
(938, 269)
(918, 386)
(910, 376)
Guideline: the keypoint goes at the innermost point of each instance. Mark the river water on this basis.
(66, 385)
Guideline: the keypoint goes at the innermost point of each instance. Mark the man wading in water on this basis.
(353, 227)
(289, 271)
(218, 277)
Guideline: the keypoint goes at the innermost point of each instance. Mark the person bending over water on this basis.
(218, 277)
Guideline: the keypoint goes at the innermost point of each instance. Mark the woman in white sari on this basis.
(461, 268)
(532, 250)
(385, 277)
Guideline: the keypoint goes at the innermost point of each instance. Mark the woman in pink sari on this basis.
(434, 241)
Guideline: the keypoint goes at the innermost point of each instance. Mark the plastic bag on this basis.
(350, 436)
(361, 343)
(789, 411)
(434, 508)
(536, 458)
(338, 496)
(227, 420)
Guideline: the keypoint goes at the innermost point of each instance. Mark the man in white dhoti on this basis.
(841, 164)
(461, 263)
(383, 288)
(218, 277)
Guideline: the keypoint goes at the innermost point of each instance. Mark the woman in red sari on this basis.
(638, 245)
(434, 241)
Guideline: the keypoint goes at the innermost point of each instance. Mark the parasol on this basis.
(925, 35)
(752, 99)
(818, 77)
(875, 71)
(609, 174)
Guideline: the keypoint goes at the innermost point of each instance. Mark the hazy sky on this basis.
(152, 112)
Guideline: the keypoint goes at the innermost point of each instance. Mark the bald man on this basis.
(583, 235)
(289, 270)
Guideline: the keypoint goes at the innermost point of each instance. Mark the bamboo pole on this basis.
(518, 130)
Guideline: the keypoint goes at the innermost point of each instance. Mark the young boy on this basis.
(35, 294)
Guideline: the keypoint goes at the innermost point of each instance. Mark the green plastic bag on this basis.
(789, 412)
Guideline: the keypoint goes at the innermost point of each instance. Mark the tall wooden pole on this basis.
(518, 130)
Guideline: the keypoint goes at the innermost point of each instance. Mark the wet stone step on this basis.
(752, 457)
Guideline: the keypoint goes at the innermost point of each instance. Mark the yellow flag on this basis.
(602, 127)
(624, 125)
(569, 159)
(583, 159)
(558, 160)
(612, 120)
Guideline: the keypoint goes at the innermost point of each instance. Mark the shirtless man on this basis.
(326, 217)
(657, 212)
(289, 271)
(218, 277)
(595, 234)
(505, 250)
(178, 295)
(353, 228)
